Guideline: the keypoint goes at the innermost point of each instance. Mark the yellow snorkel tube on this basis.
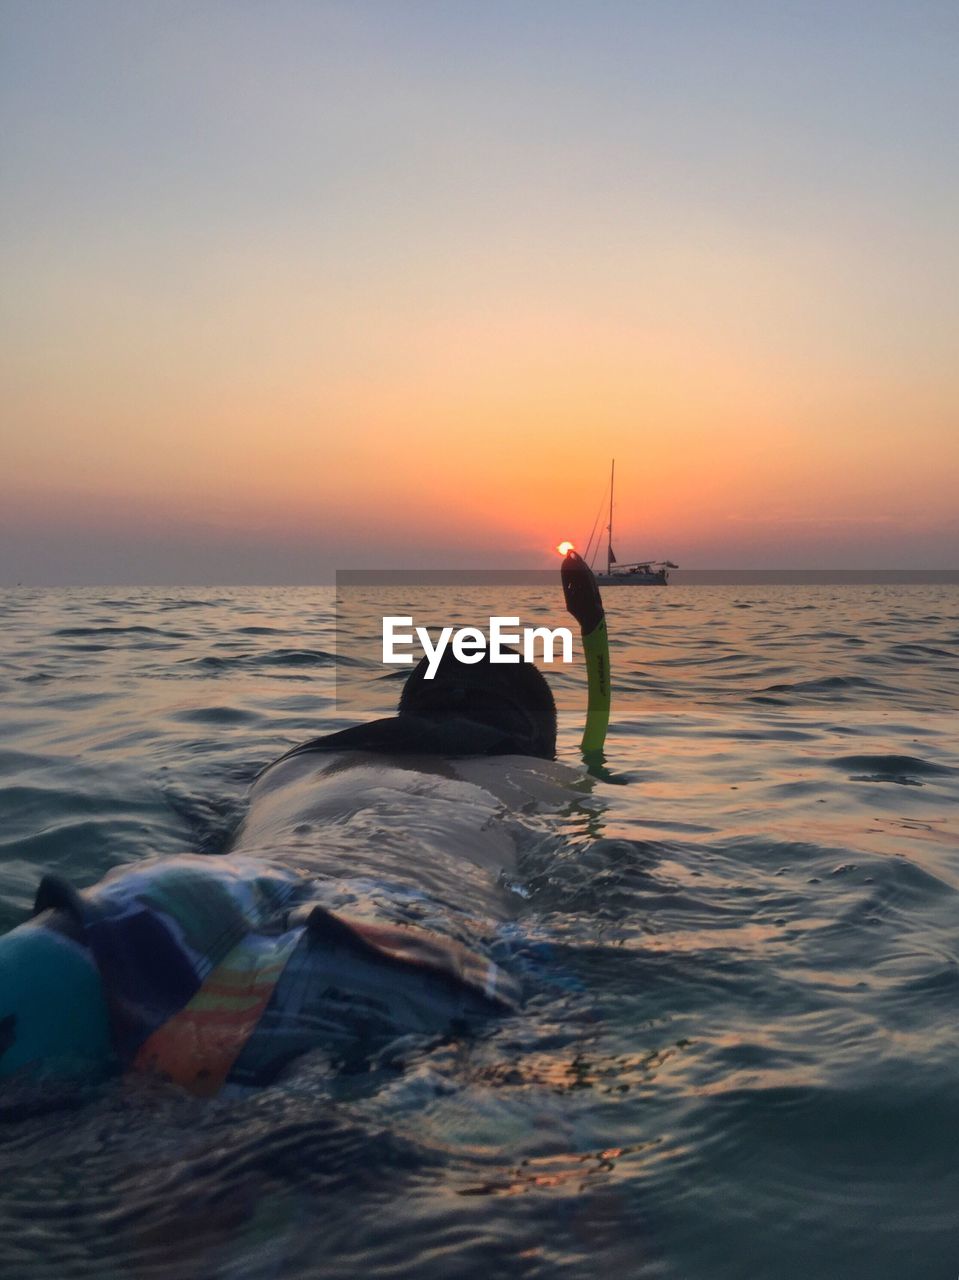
(586, 605)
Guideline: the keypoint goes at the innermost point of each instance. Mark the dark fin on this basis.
(56, 894)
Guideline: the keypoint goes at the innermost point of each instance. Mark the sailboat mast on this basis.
(609, 527)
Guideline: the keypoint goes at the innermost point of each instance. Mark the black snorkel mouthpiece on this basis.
(581, 590)
(584, 602)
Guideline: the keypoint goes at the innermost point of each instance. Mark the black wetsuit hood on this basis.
(482, 709)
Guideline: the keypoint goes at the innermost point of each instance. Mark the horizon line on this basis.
(474, 576)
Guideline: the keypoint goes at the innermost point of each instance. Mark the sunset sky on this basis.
(296, 286)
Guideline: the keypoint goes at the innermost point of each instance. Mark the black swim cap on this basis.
(513, 697)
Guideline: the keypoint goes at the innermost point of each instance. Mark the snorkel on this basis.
(584, 602)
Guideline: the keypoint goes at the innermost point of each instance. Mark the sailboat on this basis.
(640, 573)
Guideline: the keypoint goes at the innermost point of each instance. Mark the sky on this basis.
(291, 287)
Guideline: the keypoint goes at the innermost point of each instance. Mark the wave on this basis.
(902, 770)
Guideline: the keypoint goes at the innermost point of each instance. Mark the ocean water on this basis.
(739, 1056)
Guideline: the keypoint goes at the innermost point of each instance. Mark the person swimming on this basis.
(217, 969)
(208, 969)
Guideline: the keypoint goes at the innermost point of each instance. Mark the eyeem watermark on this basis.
(470, 644)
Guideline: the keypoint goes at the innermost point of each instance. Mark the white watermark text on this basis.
(470, 644)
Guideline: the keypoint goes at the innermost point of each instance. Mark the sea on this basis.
(738, 1053)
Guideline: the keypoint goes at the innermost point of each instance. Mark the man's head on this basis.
(513, 697)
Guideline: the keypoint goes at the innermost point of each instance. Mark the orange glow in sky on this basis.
(294, 286)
